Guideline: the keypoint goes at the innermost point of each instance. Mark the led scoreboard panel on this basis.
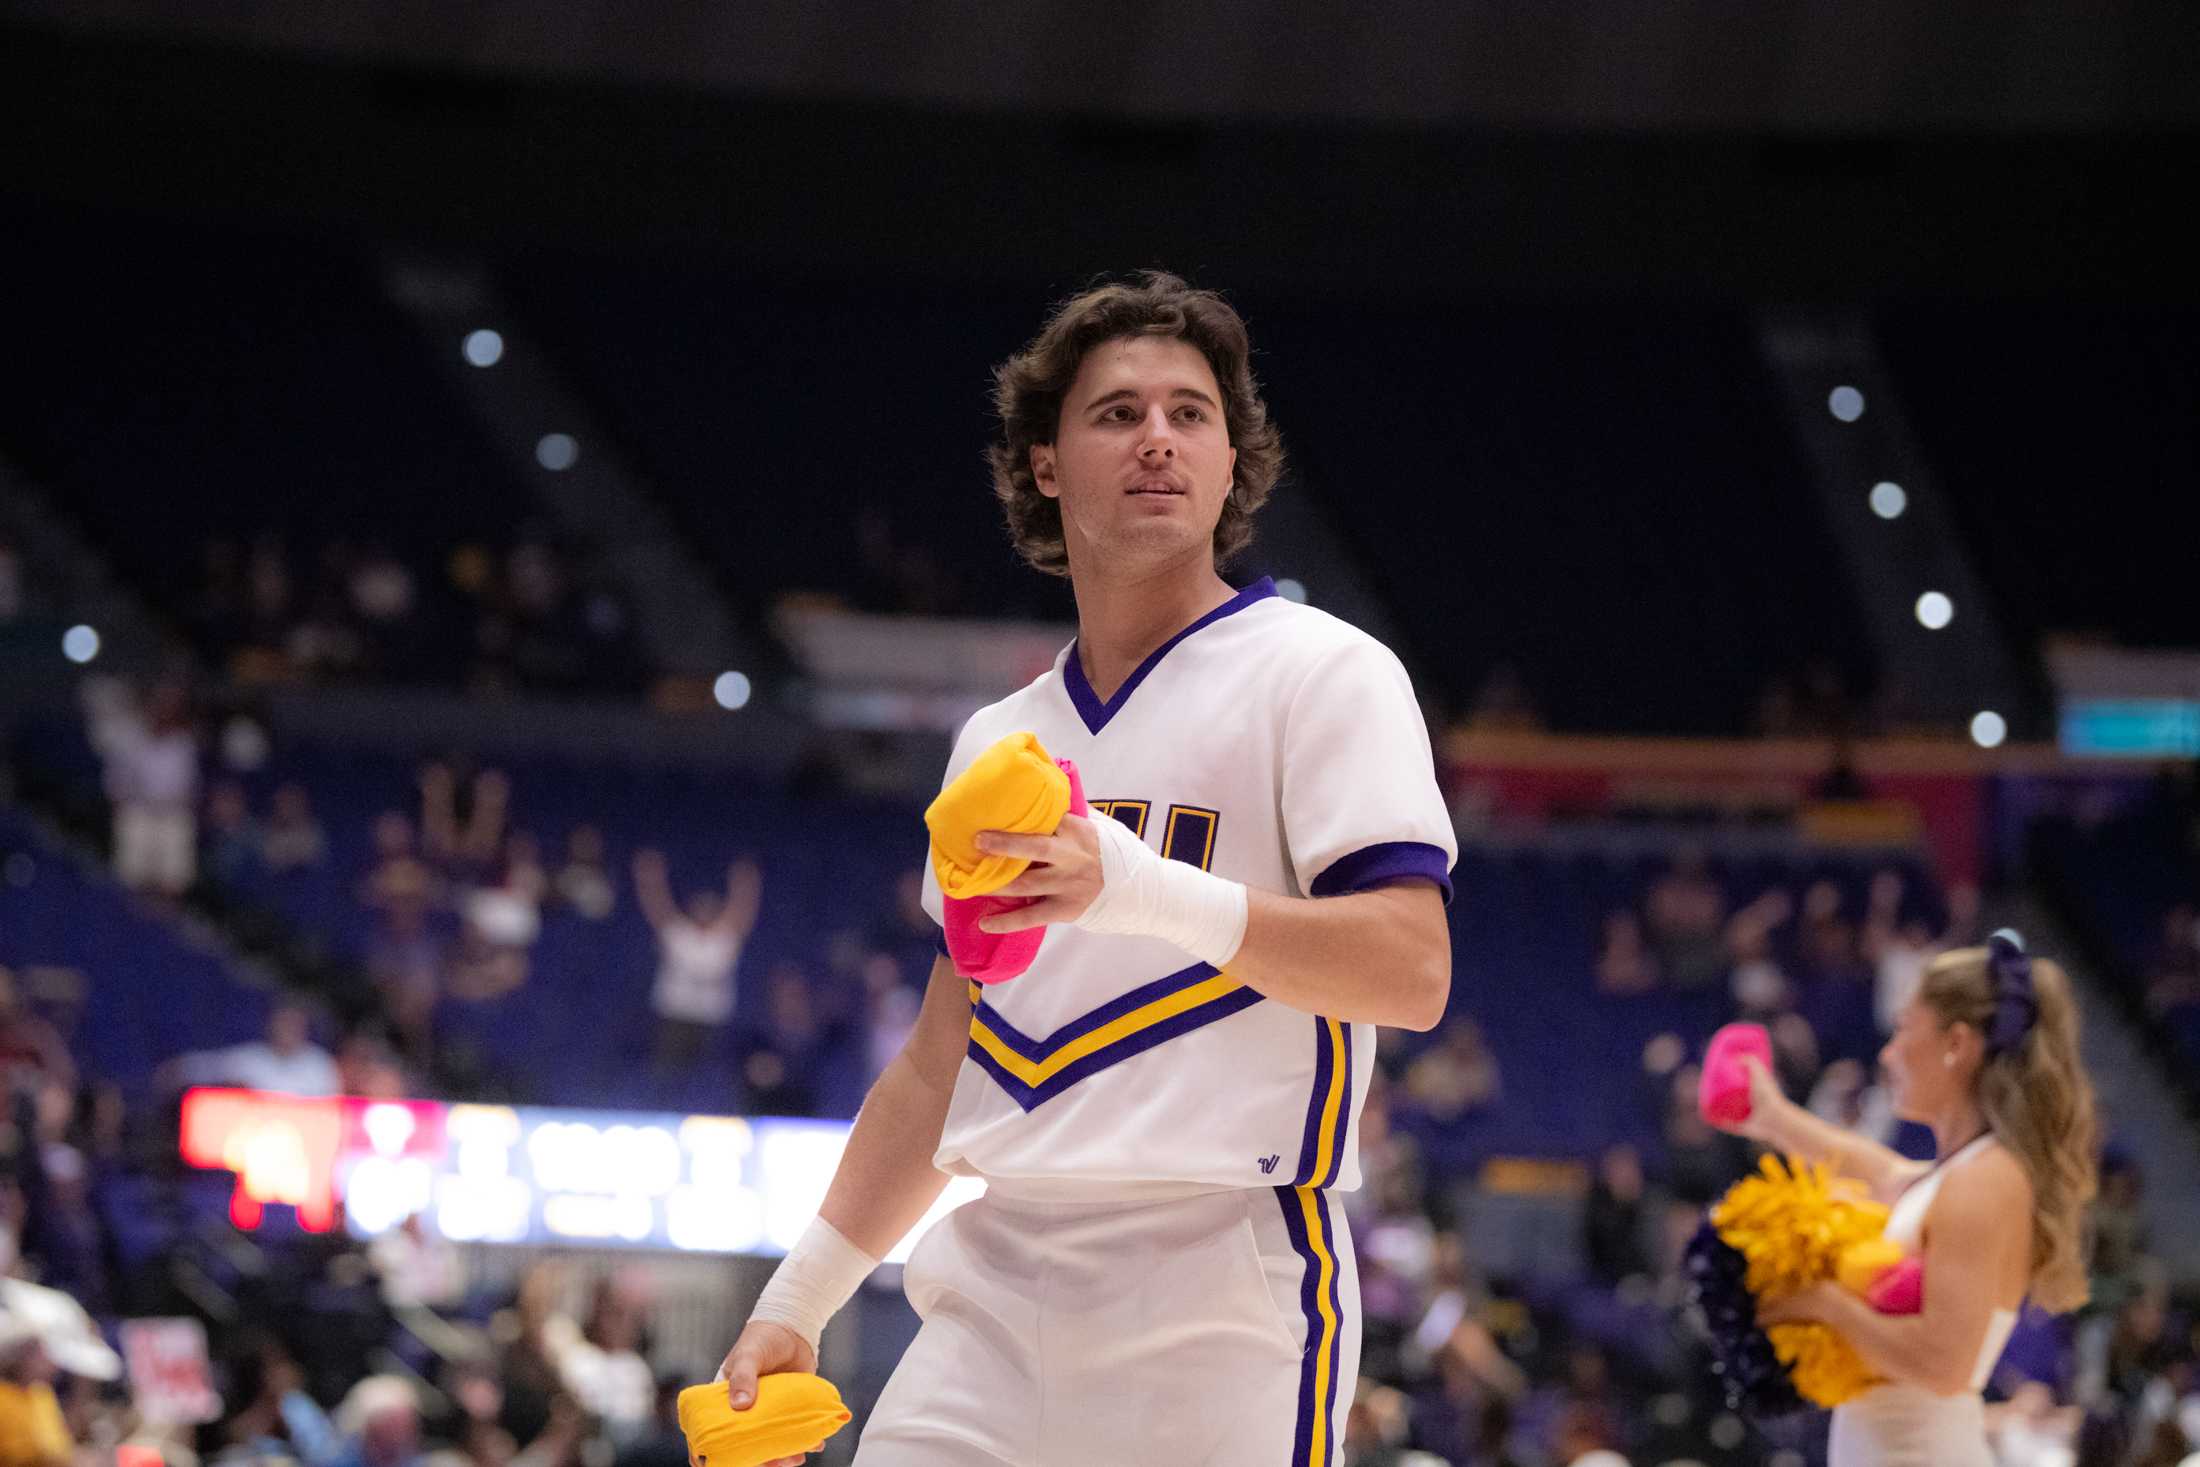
(524, 1175)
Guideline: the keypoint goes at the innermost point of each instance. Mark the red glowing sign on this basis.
(293, 1149)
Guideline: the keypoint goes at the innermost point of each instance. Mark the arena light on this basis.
(732, 690)
(483, 348)
(1291, 590)
(80, 644)
(1845, 403)
(557, 452)
(1889, 499)
(1989, 730)
(1934, 611)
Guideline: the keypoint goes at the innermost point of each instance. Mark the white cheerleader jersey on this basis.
(1267, 742)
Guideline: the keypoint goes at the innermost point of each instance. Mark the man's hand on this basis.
(1064, 876)
(764, 1348)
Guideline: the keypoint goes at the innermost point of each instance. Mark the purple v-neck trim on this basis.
(1096, 713)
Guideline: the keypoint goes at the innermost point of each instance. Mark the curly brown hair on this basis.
(1029, 387)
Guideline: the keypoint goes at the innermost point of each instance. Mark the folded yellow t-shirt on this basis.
(1013, 785)
(794, 1413)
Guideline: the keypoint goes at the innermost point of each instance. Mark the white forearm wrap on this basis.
(818, 1275)
(1144, 894)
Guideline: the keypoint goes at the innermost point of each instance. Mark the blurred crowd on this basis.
(329, 1353)
(490, 619)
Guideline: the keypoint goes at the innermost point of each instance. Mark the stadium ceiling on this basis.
(1791, 66)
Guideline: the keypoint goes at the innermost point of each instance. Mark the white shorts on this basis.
(1217, 1330)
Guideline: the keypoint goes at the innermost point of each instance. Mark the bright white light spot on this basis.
(80, 644)
(484, 348)
(557, 452)
(1935, 611)
(1291, 590)
(1988, 729)
(1889, 500)
(731, 690)
(1845, 403)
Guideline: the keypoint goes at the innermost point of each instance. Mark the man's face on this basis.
(1141, 459)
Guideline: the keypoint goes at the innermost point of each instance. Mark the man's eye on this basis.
(1197, 415)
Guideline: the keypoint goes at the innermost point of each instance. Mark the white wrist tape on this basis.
(818, 1275)
(1144, 894)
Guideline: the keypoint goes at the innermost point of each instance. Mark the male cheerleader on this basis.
(1163, 1103)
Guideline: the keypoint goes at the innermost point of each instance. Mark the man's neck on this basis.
(1122, 619)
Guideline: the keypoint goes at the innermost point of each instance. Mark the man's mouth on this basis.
(1154, 486)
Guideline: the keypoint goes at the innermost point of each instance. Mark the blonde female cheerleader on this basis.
(1986, 1054)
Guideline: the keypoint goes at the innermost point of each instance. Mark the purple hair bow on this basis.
(2016, 1006)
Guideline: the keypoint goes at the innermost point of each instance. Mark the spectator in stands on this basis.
(32, 1053)
(33, 1432)
(584, 882)
(462, 822)
(1795, 1055)
(1829, 937)
(1614, 1221)
(1899, 948)
(272, 1420)
(1685, 912)
(502, 919)
(418, 1267)
(907, 931)
(2032, 1431)
(1700, 1162)
(404, 955)
(294, 839)
(379, 1420)
(152, 780)
(698, 949)
(1846, 1096)
(229, 836)
(267, 611)
(603, 1366)
(286, 1061)
(367, 1065)
(2172, 967)
(1455, 1077)
(781, 1058)
(1761, 990)
(381, 592)
(891, 1008)
(2119, 1244)
(1625, 964)
(1503, 704)
(62, 1230)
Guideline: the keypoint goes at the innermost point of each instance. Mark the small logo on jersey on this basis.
(1268, 1165)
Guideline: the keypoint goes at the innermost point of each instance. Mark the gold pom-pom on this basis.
(1792, 1221)
(1796, 1224)
(1825, 1368)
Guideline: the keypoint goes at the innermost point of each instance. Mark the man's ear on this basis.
(1042, 470)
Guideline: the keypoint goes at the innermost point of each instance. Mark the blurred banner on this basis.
(526, 1175)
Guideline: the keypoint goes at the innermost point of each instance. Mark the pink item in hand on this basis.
(996, 957)
(1723, 1096)
(1899, 1290)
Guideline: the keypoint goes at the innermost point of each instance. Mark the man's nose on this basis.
(1159, 438)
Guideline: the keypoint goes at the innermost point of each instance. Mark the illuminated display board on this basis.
(524, 1175)
(2135, 728)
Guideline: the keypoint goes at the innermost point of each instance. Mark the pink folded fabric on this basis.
(996, 957)
(1723, 1094)
(1900, 1290)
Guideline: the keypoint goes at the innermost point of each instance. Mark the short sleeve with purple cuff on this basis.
(1361, 808)
(1385, 864)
